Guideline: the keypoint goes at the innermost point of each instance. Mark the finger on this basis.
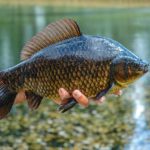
(80, 98)
(64, 95)
(57, 101)
(101, 100)
(20, 97)
(119, 92)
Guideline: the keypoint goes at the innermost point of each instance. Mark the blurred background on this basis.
(120, 122)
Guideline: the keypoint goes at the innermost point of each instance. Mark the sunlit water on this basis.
(130, 27)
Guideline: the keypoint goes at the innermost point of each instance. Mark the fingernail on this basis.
(102, 99)
(80, 98)
(61, 91)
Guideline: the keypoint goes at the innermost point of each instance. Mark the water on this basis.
(141, 134)
(128, 26)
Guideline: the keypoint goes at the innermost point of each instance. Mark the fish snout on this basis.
(145, 66)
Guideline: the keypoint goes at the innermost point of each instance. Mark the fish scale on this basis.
(68, 75)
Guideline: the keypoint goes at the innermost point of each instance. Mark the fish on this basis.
(61, 56)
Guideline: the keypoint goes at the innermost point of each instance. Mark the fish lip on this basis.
(146, 67)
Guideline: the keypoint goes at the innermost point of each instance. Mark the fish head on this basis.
(127, 69)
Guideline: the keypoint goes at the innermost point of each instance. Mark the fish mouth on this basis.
(146, 67)
(143, 67)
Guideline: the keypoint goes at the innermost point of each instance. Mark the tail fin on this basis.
(6, 99)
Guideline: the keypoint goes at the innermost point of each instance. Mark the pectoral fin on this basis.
(65, 107)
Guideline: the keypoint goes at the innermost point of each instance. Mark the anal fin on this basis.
(33, 99)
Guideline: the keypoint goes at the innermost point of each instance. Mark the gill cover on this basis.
(127, 69)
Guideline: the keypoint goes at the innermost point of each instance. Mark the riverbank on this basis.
(79, 3)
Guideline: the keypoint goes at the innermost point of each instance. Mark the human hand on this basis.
(79, 97)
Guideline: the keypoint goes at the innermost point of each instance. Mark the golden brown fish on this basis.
(60, 56)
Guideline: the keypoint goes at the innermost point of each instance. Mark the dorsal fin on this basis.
(53, 33)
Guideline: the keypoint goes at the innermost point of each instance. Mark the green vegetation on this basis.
(107, 125)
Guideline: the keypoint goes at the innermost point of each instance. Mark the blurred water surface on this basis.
(131, 27)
